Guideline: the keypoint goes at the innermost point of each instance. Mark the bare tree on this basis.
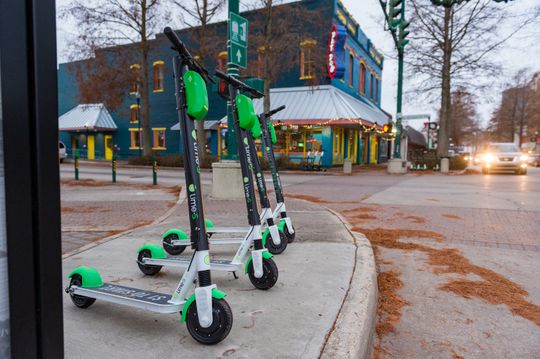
(199, 14)
(452, 46)
(464, 120)
(275, 35)
(517, 113)
(107, 23)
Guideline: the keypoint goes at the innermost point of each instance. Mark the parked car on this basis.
(62, 153)
(534, 160)
(503, 157)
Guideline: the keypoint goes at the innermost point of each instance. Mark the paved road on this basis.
(473, 294)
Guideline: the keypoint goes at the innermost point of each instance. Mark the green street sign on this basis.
(238, 55)
(238, 29)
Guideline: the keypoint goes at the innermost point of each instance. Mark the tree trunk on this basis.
(144, 90)
(446, 109)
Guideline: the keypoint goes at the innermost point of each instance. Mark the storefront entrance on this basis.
(108, 147)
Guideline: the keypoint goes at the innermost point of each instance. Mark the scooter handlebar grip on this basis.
(276, 110)
(239, 84)
(173, 38)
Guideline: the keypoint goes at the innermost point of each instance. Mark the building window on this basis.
(134, 85)
(371, 92)
(134, 114)
(351, 70)
(376, 95)
(158, 76)
(260, 62)
(135, 138)
(362, 85)
(159, 139)
(307, 60)
(222, 61)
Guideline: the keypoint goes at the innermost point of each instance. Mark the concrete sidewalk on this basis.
(292, 320)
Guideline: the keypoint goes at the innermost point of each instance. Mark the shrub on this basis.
(163, 161)
(458, 163)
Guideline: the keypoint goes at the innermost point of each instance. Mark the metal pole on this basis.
(154, 171)
(232, 146)
(139, 121)
(76, 165)
(114, 168)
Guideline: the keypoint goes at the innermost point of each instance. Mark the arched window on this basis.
(307, 59)
(134, 85)
(362, 85)
(351, 70)
(158, 75)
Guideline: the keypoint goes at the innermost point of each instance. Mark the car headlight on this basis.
(524, 158)
(489, 158)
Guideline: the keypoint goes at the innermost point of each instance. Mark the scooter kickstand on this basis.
(234, 274)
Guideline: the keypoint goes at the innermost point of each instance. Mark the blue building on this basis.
(338, 115)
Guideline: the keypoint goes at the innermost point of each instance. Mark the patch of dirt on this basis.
(357, 210)
(93, 183)
(415, 219)
(493, 288)
(432, 199)
(314, 199)
(83, 209)
(85, 182)
(451, 216)
(361, 219)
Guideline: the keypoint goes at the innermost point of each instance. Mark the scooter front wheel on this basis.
(147, 268)
(277, 248)
(220, 327)
(269, 277)
(170, 248)
(80, 300)
(290, 236)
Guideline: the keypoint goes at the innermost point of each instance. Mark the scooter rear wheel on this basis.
(170, 248)
(147, 268)
(276, 249)
(80, 300)
(269, 277)
(221, 323)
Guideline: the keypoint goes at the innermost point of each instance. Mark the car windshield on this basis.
(503, 147)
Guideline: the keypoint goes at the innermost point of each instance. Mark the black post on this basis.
(29, 117)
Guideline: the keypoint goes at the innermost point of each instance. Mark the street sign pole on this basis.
(399, 127)
(233, 70)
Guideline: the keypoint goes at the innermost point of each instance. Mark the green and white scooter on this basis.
(261, 269)
(269, 139)
(274, 237)
(207, 315)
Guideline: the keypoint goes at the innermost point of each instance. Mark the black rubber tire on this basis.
(523, 172)
(147, 269)
(290, 236)
(80, 301)
(172, 249)
(485, 171)
(269, 277)
(221, 324)
(276, 249)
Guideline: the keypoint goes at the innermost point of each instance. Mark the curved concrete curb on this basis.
(353, 332)
(163, 217)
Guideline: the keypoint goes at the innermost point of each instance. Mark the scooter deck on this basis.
(237, 240)
(133, 297)
(228, 229)
(184, 262)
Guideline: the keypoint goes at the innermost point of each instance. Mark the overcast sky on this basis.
(523, 50)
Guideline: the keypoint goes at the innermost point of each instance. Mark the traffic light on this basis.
(403, 33)
(394, 13)
(223, 88)
(387, 128)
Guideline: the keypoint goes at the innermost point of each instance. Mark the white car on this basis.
(503, 157)
(62, 153)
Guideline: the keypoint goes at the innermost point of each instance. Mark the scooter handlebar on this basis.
(179, 46)
(274, 111)
(239, 84)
